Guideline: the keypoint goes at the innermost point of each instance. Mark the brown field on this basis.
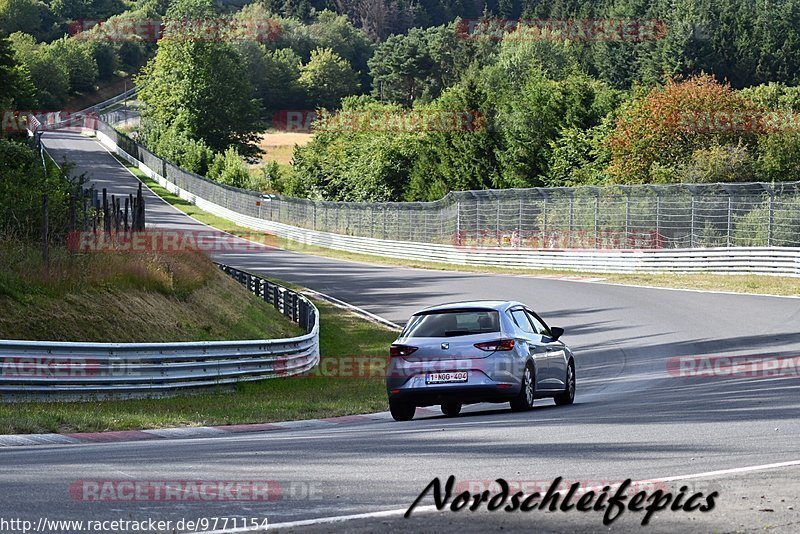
(279, 146)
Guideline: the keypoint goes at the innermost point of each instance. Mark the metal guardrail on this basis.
(47, 369)
(739, 260)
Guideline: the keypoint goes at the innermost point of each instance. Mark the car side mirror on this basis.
(556, 332)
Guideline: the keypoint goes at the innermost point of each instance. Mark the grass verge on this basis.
(127, 297)
(256, 402)
(761, 284)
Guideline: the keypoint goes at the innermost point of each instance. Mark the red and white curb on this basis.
(193, 432)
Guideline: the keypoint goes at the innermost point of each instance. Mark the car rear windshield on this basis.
(449, 323)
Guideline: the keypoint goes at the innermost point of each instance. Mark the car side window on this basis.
(537, 324)
(521, 318)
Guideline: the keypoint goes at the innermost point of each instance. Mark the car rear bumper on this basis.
(465, 394)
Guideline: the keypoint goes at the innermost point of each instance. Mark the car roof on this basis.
(498, 305)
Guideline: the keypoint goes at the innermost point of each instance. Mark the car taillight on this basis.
(500, 344)
(401, 350)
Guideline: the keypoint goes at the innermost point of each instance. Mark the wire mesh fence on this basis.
(607, 217)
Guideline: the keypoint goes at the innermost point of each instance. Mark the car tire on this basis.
(527, 391)
(568, 397)
(402, 411)
(451, 409)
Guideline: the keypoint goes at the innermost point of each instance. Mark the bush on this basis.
(191, 154)
(228, 168)
(752, 228)
(720, 163)
(23, 181)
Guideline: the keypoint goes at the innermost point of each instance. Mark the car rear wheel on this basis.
(402, 411)
(451, 409)
(524, 399)
(568, 397)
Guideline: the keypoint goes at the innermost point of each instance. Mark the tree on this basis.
(20, 16)
(666, 125)
(45, 69)
(327, 78)
(333, 31)
(274, 75)
(16, 88)
(77, 56)
(198, 86)
(401, 67)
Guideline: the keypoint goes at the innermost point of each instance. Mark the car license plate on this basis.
(446, 378)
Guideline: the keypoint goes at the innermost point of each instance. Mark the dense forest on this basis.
(563, 92)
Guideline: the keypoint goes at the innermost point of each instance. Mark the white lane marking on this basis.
(399, 512)
(347, 306)
(690, 290)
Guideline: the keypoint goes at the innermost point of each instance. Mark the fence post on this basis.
(571, 216)
(544, 219)
(45, 233)
(519, 223)
(497, 222)
(627, 216)
(425, 238)
(458, 222)
(440, 211)
(477, 219)
(658, 214)
(692, 232)
(729, 240)
(770, 227)
(596, 217)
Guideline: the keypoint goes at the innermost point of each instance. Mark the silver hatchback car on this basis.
(481, 351)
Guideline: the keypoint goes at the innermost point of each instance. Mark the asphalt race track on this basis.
(632, 417)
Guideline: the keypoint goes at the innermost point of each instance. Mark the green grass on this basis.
(256, 402)
(127, 297)
(761, 284)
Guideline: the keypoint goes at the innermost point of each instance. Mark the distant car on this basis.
(481, 351)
